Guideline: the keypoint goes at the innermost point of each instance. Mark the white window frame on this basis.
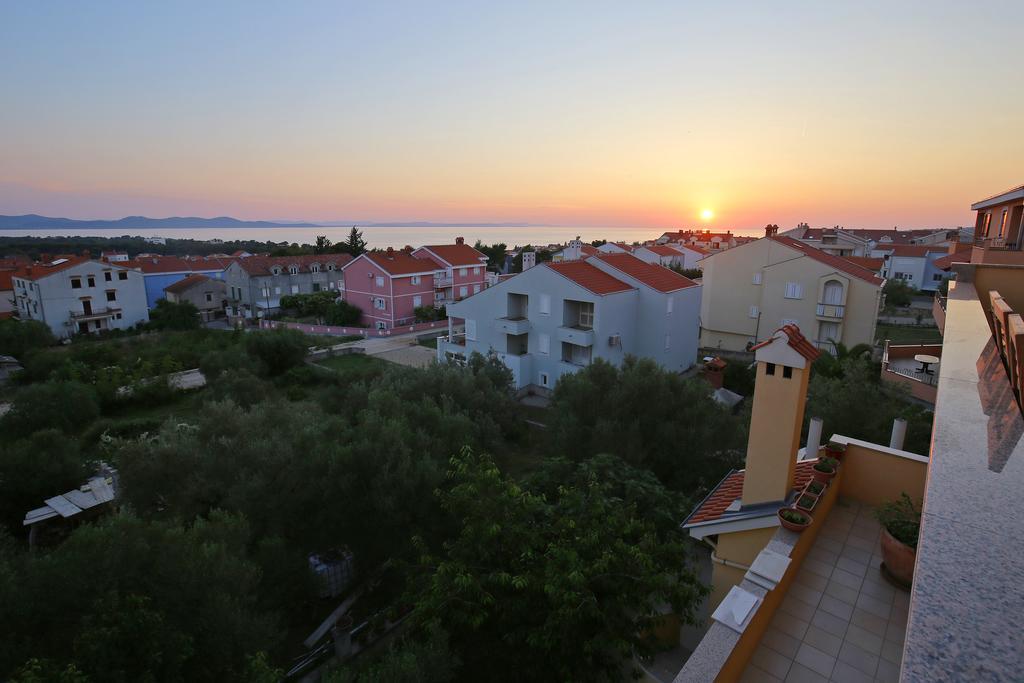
(476, 289)
(668, 305)
(277, 290)
(544, 344)
(544, 305)
(417, 301)
(415, 280)
(794, 290)
(379, 281)
(476, 269)
(380, 303)
(470, 329)
(836, 285)
(754, 312)
(463, 272)
(586, 317)
(293, 270)
(463, 291)
(295, 289)
(757, 278)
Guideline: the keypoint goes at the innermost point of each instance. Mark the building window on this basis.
(754, 312)
(794, 290)
(277, 290)
(380, 304)
(209, 297)
(381, 325)
(471, 330)
(544, 379)
(833, 293)
(380, 281)
(476, 269)
(293, 270)
(295, 289)
(476, 289)
(106, 276)
(92, 281)
(668, 342)
(937, 277)
(316, 286)
(122, 275)
(276, 270)
(787, 372)
(769, 369)
(111, 295)
(315, 268)
(76, 283)
(543, 344)
(417, 301)
(330, 266)
(463, 272)
(1002, 224)
(118, 316)
(463, 291)
(415, 279)
(265, 292)
(586, 319)
(545, 304)
(668, 305)
(789, 321)
(757, 278)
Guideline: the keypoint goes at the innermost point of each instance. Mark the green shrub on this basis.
(67, 406)
(901, 518)
(19, 337)
(174, 316)
(278, 350)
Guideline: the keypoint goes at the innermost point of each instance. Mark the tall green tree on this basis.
(174, 316)
(537, 587)
(649, 417)
(17, 338)
(323, 245)
(45, 464)
(355, 244)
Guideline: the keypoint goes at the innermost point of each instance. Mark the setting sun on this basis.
(707, 214)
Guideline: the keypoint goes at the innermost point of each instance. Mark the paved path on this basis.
(413, 356)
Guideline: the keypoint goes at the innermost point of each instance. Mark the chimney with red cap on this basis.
(460, 240)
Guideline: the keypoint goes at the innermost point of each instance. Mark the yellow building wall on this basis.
(874, 477)
(1007, 280)
(740, 547)
(729, 293)
(775, 423)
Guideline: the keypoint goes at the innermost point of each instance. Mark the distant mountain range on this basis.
(36, 222)
(33, 221)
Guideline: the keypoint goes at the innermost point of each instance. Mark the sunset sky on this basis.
(868, 114)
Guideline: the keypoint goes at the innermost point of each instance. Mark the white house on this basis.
(679, 255)
(615, 248)
(556, 318)
(77, 294)
(914, 265)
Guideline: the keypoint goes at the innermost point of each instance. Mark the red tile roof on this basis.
(914, 250)
(946, 262)
(622, 245)
(590, 250)
(400, 262)
(839, 263)
(261, 265)
(651, 274)
(664, 250)
(872, 264)
(731, 488)
(590, 277)
(186, 282)
(457, 254)
(41, 270)
(796, 339)
(5, 280)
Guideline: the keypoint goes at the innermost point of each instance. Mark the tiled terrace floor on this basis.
(841, 620)
(911, 368)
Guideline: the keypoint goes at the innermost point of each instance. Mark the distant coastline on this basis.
(37, 222)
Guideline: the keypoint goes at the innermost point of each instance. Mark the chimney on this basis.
(714, 372)
(391, 253)
(407, 249)
(777, 415)
(899, 433)
(813, 438)
(771, 230)
(460, 240)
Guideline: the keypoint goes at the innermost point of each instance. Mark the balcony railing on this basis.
(443, 281)
(831, 311)
(95, 314)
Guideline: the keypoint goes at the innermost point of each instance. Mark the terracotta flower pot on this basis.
(898, 557)
(823, 477)
(794, 526)
(833, 452)
(821, 492)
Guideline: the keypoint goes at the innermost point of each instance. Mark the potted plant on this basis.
(794, 520)
(815, 488)
(835, 450)
(901, 524)
(806, 501)
(825, 469)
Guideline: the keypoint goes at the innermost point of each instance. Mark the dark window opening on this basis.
(92, 281)
(787, 372)
(122, 275)
(106, 275)
(770, 369)
(76, 284)
(111, 295)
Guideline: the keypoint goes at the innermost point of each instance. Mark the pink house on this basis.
(462, 270)
(390, 285)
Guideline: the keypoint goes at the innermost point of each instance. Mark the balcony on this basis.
(95, 314)
(900, 367)
(580, 336)
(514, 326)
(441, 281)
(831, 311)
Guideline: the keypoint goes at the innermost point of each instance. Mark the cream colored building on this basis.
(755, 288)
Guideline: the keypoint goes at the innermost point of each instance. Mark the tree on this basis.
(692, 273)
(651, 418)
(45, 464)
(537, 587)
(17, 338)
(129, 600)
(342, 313)
(174, 316)
(355, 244)
(323, 245)
(65, 406)
(495, 254)
(278, 350)
(856, 403)
(898, 293)
(411, 660)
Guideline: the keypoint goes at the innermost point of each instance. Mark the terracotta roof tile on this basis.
(731, 488)
(5, 280)
(872, 264)
(664, 250)
(186, 282)
(794, 338)
(839, 263)
(457, 254)
(41, 270)
(914, 250)
(651, 274)
(261, 265)
(590, 277)
(400, 263)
